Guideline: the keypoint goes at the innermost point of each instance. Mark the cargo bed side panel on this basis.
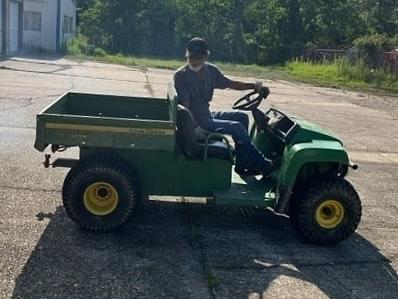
(107, 122)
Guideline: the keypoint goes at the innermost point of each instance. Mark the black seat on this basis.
(189, 143)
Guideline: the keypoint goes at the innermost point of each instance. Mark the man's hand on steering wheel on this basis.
(251, 101)
(264, 91)
(261, 89)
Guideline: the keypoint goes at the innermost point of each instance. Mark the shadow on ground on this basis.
(194, 251)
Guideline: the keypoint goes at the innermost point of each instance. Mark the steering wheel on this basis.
(250, 102)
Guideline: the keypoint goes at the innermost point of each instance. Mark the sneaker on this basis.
(247, 172)
(271, 166)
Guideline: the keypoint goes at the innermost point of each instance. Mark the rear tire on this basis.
(326, 213)
(101, 194)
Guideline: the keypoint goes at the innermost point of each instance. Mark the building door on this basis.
(14, 26)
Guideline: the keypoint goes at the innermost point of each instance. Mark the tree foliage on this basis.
(250, 31)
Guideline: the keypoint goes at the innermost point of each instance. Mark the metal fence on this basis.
(391, 61)
(323, 54)
(388, 60)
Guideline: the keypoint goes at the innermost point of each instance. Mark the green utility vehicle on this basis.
(132, 147)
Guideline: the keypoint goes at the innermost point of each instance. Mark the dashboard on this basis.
(280, 125)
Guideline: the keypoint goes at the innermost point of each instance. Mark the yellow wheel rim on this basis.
(101, 198)
(330, 214)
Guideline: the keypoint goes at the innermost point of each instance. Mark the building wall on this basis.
(45, 38)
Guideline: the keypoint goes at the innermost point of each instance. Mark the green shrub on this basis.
(100, 52)
(77, 46)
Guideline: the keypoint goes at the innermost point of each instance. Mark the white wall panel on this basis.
(14, 26)
(46, 38)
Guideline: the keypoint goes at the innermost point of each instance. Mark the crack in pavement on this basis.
(262, 265)
(20, 106)
(60, 68)
(376, 157)
(148, 84)
(67, 75)
(30, 189)
(378, 228)
(128, 68)
(193, 237)
(17, 128)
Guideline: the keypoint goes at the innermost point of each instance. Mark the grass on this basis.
(264, 72)
(170, 64)
(79, 48)
(338, 74)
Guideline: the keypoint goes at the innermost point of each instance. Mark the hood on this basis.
(310, 131)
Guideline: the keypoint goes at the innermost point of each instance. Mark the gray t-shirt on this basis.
(197, 89)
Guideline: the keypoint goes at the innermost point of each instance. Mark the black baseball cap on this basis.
(197, 48)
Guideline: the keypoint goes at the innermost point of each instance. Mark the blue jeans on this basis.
(236, 124)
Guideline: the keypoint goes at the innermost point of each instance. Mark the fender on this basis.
(296, 156)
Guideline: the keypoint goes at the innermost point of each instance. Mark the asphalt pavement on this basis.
(189, 250)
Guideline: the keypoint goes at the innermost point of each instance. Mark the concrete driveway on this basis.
(173, 250)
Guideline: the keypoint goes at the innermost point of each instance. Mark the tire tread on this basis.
(104, 164)
(302, 209)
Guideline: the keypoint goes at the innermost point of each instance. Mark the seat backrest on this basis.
(186, 132)
(172, 97)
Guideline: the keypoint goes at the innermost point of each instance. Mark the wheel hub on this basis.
(100, 198)
(103, 194)
(330, 214)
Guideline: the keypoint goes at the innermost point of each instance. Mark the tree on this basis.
(250, 31)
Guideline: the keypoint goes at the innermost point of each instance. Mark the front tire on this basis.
(326, 213)
(100, 195)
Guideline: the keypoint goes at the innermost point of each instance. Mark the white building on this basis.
(37, 24)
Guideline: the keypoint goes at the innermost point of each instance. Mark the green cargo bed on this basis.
(107, 121)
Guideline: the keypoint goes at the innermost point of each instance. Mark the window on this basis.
(65, 26)
(70, 25)
(32, 21)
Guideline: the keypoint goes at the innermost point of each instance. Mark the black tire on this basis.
(314, 217)
(94, 172)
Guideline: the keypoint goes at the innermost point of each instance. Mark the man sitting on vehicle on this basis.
(195, 83)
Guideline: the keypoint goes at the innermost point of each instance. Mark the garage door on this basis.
(14, 26)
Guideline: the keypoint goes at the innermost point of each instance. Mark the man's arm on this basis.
(257, 87)
(238, 85)
(223, 82)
